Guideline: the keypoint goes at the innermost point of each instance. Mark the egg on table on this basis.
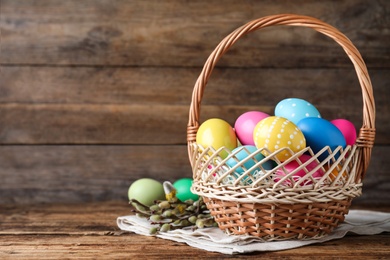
(183, 189)
(146, 191)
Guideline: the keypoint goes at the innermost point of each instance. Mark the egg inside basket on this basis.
(306, 193)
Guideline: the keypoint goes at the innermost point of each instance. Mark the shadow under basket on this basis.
(272, 203)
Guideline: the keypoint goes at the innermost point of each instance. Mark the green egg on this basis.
(146, 191)
(183, 190)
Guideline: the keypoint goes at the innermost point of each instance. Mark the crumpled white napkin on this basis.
(361, 222)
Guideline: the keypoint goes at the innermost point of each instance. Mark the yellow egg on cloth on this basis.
(275, 133)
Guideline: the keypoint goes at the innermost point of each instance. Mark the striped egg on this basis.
(276, 133)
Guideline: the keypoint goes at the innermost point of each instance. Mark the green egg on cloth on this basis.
(146, 191)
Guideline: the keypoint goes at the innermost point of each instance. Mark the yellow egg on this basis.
(217, 133)
(275, 133)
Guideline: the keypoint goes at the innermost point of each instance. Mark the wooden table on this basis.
(59, 231)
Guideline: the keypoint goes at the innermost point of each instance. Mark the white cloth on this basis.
(360, 222)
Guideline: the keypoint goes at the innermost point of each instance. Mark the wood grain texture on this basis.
(121, 124)
(173, 86)
(83, 173)
(182, 33)
(74, 231)
(95, 93)
(132, 246)
(127, 105)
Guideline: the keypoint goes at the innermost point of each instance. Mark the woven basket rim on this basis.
(218, 182)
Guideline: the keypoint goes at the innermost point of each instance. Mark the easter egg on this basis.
(347, 128)
(245, 124)
(183, 190)
(241, 154)
(293, 165)
(275, 133)
(146, 191)
(320, 133)
(335, 172)
(216, 133)
(295, 109)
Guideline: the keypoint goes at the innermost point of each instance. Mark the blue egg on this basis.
(319, 133)
(244, 152)
(295, 109)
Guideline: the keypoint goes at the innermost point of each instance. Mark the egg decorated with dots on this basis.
(276, 133)
(295, 109)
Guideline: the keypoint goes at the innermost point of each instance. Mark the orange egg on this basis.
(335, 172)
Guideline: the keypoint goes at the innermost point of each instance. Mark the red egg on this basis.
(291, 166)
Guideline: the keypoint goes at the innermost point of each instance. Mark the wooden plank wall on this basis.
(95, 93)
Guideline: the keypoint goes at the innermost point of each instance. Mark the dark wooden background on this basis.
(95, 93)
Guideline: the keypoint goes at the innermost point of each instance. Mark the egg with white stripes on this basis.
(275, 133)
(296, 109)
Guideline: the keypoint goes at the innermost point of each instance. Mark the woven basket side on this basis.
(366, 135)
(278, 222)
(214, 179)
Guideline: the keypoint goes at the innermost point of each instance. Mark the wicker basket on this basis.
(284, 209)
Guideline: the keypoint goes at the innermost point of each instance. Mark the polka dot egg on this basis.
(295, 109)
(275, 133)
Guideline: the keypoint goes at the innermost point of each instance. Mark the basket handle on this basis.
(366, 135)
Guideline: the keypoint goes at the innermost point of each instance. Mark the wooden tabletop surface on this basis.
(59, 231)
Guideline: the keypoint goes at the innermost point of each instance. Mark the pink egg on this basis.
(245, 124)
(291, 166)
(347, 128)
